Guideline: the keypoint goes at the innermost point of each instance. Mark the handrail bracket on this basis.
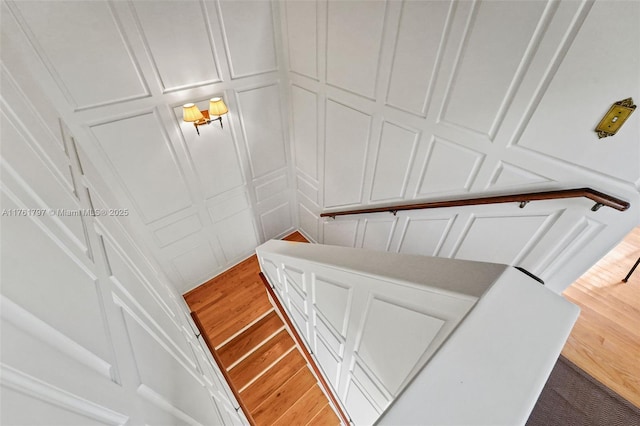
(601, 199)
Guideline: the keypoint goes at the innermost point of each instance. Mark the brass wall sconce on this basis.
(191, 113)
(615, 118)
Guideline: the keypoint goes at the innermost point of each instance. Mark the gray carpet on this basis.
(573, 398)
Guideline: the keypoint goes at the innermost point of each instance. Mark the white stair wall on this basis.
(373, 320)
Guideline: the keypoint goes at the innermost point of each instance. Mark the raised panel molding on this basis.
(377, 233)
(414, 72)
(145, 139)
(80, 316)
(395, 156)
(507, 175)
(165, 43)
(379, 340)
(196, 266)
(132, 291)
(42, 331)
(106, 51)
(227, 205)
(261, 120)
(162, 403)
(294, 277)
(302, 37)
(449, 167)
(131, 280)
(271, 188)
(276, 221)
(56, 200)
(425, 236)
(249, 37)
(363, 410)
(360, 319)
(237, 235)
(340, 232)
(304, 111)
(346, 146)
(511, 237)
(378, 396)
(352, 59)
(492, 30)
(332, 340)
(183, 392)
(37, 389)
(34, 99)
(176, 230)
(330, 362)
(308, 189)
(308, 222)
(333, 300)
(575, 239)
(43, 133)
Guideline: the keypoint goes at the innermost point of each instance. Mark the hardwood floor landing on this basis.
(254, 349)
(605, 342)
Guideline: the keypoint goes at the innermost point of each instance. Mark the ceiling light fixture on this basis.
(191, 113)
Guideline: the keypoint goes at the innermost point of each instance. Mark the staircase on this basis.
(264, 367)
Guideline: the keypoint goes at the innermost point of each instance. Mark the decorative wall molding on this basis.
(396, 171)
(428, 94)
(160, 402)
(245, 22)
(199, 14)
(349, 57)
(40, 330)
(48, 393)
(60, 79)
(436, 176)
(40, 223)
(105, 135)
(351, 126)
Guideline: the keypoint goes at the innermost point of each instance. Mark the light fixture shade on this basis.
(217, 107)
(191, 113)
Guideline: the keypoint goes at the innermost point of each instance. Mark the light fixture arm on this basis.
(191, 113)
(206, 120)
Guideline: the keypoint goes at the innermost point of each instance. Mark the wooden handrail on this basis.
(600, 198)
(305, 351)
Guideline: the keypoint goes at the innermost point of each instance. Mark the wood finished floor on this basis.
(258, 355)
(605, 341)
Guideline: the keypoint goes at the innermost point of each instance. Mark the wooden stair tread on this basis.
(276, 404)
(224, 302)
(234, 313)
(252, 366)
(304, 409)
(270, 381)
(235, 320)
(326, 417)
(224, 298)
(296, 237)
(250, 339)
(227, 281)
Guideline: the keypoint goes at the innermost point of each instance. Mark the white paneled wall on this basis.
(92, 331)
(118, 73)
(354, 317)
(334, 104)
(393, 101)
